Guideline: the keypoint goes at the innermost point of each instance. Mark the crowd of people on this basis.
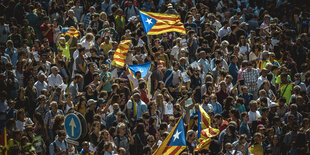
(245, 62)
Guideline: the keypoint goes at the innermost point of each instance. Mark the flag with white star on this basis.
(175, 142)
(158, 23)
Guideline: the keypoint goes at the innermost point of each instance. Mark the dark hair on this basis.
(218, 116)
(282, 99)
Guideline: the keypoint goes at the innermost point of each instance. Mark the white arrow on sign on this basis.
(72, 124)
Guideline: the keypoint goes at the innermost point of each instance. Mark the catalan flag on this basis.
(121, 53)
(158, 23)
(175, 142)
(205, 131)
(70, 31)
(143, 68)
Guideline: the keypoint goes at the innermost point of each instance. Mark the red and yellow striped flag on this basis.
(158, 23)
(70, 31)
(121, 53)
(205, 131)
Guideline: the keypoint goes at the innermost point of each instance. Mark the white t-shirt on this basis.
(253, 116)
(168, 108)
(21, 125)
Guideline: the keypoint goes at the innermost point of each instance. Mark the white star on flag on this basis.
(176, 135)
(149, 21)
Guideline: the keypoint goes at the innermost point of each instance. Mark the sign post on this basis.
(75, 127)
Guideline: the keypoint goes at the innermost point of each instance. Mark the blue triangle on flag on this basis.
(147, 21)
(178, 137)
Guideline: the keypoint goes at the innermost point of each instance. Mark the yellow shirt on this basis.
(106, 47)
(286, 91)
(256, 149)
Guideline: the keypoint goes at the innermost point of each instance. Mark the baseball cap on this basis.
(91, 102)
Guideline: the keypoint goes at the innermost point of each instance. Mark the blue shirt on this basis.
(13, 55)
(233, 71)
(205, 65)
(241, 108)
(63, 145)
(244, 129)
(247, 98)
(217, 108)
(110, 119)
(141, 108)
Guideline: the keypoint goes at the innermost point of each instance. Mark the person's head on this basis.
(258, 137)
(121, 129)
(92, 9)
(137, 97)
(71, 13)
(85, 146)
(20, 115)
(293, 108)
(249, 66)
(96, 126)
(115, 107)
(218, 119)
(89, 37)
(245, 117)
(228, 147)
(150, 140)
(284, 78)
(219, 63)
(61, 135)
(46, 20)
(9, 44)
(54, 106)
(245, 89)
(108, 147)
(77, 78)
(213, 98)
(122, 151)
(253, 105)
(191, 135)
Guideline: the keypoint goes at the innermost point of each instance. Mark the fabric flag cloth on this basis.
(158, 23)
(69, 31)
(175, 142)
(121, 53)
(205, 131)
(143, 68)
(3, 140)
(134, 109)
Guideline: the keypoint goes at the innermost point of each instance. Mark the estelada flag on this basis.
(158, 23)
(175, 142)
(142, 68)
(70, 31)
(121, 53)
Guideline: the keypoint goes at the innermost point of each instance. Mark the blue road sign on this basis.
(73, 126)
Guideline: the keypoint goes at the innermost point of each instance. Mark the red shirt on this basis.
(49, 35)
(221, 96)
(144, 96)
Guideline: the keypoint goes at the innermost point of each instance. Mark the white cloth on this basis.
(55, 81)
(135, 82)
(40, 86)
(223, 31)
(253, 116)
(21, 125)
(175, 52)
(260, 81)
(168, 108)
